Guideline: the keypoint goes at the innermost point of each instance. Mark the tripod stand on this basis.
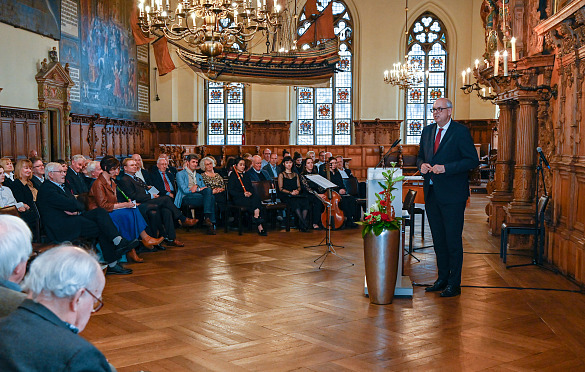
(326, 242)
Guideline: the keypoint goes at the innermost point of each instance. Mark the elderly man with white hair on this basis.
(75, 178)
(65, 219)
(15, 249)
(64, 288)
(92, 171)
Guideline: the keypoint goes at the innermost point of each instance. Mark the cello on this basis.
(337, 216)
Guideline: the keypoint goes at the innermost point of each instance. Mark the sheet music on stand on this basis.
(321, 181)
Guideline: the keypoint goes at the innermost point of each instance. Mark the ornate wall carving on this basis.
(377, 131)
(267, 132)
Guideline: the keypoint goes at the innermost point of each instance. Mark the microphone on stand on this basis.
(542, 157)
(383, 160)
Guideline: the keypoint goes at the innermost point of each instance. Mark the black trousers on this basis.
(446, 222)
(164, 219)
(99, 225)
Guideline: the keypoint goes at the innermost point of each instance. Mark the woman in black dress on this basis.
(24, 192)
(289, 186)
(242, 193)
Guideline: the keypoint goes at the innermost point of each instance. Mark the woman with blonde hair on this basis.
(24, 192)
(8, 167)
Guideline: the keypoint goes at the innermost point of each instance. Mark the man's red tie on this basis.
(167, 186)
(437, 140)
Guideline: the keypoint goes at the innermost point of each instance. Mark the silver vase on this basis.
(381, 261)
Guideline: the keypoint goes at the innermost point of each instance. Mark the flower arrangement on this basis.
(381, 215)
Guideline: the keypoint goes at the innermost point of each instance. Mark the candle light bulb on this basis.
(468, 76)
(463, 77)
(513, 42)
(483, 92)
(496, 63)
(505, 56)
(476, 64)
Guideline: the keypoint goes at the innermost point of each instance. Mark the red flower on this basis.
(383, 203)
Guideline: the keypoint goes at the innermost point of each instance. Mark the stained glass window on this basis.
(324, 115)
(224, 113)
(427, 51)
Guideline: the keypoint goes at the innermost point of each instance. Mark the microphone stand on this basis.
(383, 160)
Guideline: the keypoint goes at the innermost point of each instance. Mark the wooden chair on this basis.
(536, 229)
(230, 206)
(262, 188)
(408, 219)
(352, 185)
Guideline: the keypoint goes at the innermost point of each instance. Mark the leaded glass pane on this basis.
(305, 95)
(305, 127)
(215, 127)
(305, 111)
(324, 114)
(342, 127)
(343, 95)
(225, 113)
(343, 111)
(324, 95)
(215, 111)
(324, 111)
(427, 51)
(216, 95)
(435, 94)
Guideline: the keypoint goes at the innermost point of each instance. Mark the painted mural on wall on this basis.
(102, 52)
(41, 16)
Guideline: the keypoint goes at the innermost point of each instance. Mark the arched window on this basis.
(324, 115)
(224, 113)
(427, 51)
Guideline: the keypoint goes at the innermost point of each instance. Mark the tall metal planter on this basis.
(381, 254)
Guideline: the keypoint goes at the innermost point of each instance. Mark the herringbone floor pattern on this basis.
(251, 303)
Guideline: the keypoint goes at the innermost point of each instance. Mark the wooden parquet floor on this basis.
(251, 303)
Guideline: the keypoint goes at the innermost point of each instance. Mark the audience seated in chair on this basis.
(92, 171)
(266, 157)
(15, 249)
(159, 211)
(272, 166)
(8, 167)
(65, 219)
(214, 181)
(38, 170)
(124, 214)
(163, 179)
(65, 287)
(191, 190)
(256, 172)
(24, 192)
(141, 173)
(289, 187)
(6, 197)
(75, 178)
(241, 190)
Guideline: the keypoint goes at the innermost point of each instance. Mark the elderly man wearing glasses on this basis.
(64, 288)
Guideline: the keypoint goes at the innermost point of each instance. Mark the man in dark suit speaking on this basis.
(445, 157)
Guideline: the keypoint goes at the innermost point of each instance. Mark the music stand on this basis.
(326, 242)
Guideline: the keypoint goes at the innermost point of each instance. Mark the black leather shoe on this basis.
(211, 230)
(207, 222)
(126, 246)
(451, 291)
(439, 285)
(160, 247)
(262, 232)
(118, 270)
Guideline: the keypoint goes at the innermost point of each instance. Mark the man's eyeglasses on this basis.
(39, 166)
(98, 303)
(59, 171)
(439, 109)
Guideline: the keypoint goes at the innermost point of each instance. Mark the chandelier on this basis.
(209, 26)
(407, 74)
(404, 75)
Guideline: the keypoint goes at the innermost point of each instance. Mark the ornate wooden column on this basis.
(502, 194)
(521, 209)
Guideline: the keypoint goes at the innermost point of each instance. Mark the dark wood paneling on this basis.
(377, 131)
(267, 132)
(19, 132)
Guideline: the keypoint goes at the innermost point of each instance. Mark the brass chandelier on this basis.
(404, 75)
(209, 26)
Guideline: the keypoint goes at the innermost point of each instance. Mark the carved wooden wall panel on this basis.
(377, 131)
(481, 129)
(19, 132)
(267, 132)
(560, 136)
